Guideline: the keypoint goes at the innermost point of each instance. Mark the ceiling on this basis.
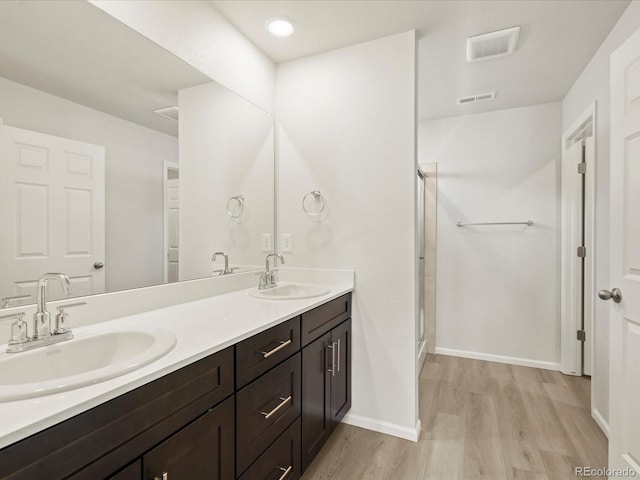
(557, 40)
(74, 50)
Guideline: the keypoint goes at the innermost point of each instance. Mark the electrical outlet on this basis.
(266, 243)
(287, 247)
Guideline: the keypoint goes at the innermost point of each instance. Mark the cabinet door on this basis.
(341, 379)
(203, 449)
(316, 398)
(132, 472)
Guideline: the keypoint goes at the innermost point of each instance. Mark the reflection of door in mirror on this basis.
(172, 218)
(53, 217)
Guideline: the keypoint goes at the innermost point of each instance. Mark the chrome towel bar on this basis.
(528, 223)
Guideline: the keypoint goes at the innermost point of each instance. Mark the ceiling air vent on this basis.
(168, 112)
(481, 97)
(492, 45)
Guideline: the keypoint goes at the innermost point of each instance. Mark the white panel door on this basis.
(173, 216)
(52, 212)
(624, 427)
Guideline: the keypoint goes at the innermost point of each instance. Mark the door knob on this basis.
(615, 295)
(98, 265)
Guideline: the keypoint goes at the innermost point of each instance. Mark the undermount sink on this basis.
(290, 291)
(81, 361)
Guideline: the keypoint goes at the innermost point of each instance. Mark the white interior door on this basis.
(572, 265)
(624, 436)
(173, 216)
(52, 212)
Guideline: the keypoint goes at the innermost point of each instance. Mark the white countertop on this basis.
(202, 327)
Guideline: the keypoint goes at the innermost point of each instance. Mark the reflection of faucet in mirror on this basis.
(226, 270)
(268, 277)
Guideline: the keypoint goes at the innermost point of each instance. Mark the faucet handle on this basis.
(61, 317)
(19, 334)
(8, 300)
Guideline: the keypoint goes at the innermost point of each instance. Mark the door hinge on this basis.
(582, 168)
(582, 335)
(582, 252)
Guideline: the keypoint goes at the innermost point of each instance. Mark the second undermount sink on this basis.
(79, 362)
(290, 291)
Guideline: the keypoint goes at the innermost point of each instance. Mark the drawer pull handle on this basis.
(286, 471)
(280, 405)
(333, 359)
(338, 355)
(275, 350)
(165, 476)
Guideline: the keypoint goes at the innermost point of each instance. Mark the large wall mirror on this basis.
(121, 165)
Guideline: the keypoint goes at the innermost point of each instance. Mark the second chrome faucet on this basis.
(268, 277)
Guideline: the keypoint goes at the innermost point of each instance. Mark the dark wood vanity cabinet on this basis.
(260, 409)
(326, 388)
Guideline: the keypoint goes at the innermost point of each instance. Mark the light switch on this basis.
(266, 243)
(287, 247)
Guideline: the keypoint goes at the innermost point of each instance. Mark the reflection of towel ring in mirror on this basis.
(238, 200)
(318, 198)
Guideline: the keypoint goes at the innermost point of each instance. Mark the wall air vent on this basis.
(481, 97)
(168, 112)
(492, 45)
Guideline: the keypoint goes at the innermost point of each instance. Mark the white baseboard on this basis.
(597, 416)
(380, 426)
(525, 362)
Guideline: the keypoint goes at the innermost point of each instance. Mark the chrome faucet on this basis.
(42, 318)
(42, 334)
(226, 270)
(268, 277)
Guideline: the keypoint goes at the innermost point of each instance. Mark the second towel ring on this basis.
(318, 198)
(239, 200)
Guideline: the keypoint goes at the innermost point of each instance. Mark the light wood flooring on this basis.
(480, 420)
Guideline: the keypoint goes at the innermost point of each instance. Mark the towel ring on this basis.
(239, 205)
(318, 197)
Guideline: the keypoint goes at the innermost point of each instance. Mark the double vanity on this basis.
(235, 386)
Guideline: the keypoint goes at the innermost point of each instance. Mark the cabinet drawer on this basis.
(325, 317)
(257, 354)
(116, 432)
(201, 450)
(281, 460)
(264, 409)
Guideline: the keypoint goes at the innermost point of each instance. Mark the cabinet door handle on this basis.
(286, 471)
(165, 476)
(338, 355)
(275, 350)
(278, 407)
(333, 349)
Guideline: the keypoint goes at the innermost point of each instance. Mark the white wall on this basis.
(196, 32)
(497, 286)
(346, 127)
(134, 156)
(593, 84)
(226, 149)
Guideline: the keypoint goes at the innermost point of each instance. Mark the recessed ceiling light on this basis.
(280, 27)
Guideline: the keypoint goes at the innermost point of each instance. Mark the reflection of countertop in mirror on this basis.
(202, 328)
